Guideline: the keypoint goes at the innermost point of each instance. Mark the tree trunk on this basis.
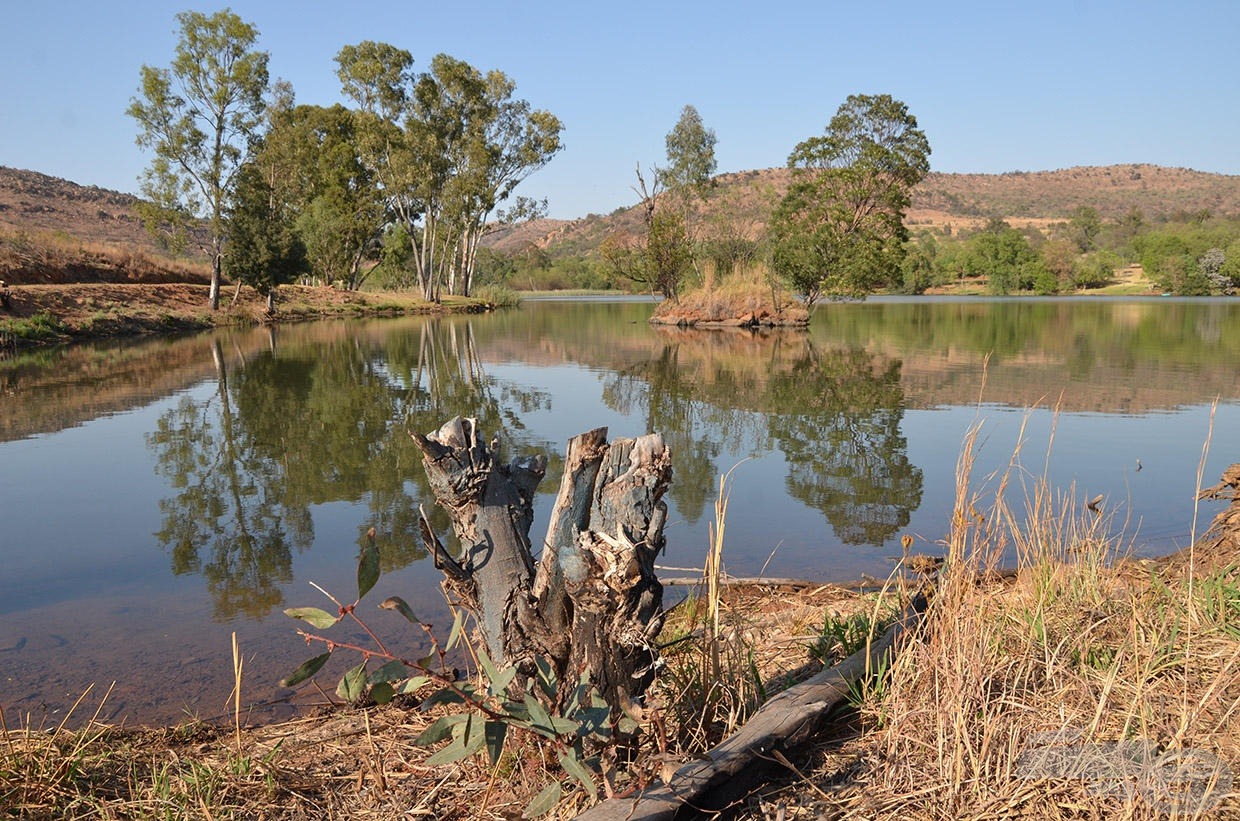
(592, 603)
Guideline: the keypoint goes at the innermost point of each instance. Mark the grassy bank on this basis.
(1127, 670)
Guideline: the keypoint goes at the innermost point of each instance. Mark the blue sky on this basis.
(997, 86)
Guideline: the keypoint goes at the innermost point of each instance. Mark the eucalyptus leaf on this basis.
(392, 671)
(475, 733)
(595, 721)
(306, 670)
(382, 693)
(313, 616)
(544, 802)
(439, 730)
(453, 752)
(352, 684)
(546, 677)
(400, 606)
(495, 733)
(444, 696)
(573, 766)
(367, 566)
(500, 685)
(414, 684)
(538, 716)
(455, 635)
(488, 666)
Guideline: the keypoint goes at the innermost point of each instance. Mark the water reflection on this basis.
(152, 484)
(833, 411)
(836, 416)
(309, 423)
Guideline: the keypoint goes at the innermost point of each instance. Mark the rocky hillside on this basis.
(1036, 198)
(30, 201)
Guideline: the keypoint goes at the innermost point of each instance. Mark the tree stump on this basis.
(591, 602)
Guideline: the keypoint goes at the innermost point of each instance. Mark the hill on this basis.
(30, 201)
(34, 202)
(1024, 198)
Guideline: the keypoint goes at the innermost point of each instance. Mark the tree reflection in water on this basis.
(834, 413)
(319, 421)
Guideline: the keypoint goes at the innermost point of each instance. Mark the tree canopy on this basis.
(839, 231)
(199, 117)
(690, 154)
(447, 146)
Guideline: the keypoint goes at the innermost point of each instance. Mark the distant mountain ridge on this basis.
(1035, 198)
(30, 200)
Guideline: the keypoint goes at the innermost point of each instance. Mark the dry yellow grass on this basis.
(1073, 690)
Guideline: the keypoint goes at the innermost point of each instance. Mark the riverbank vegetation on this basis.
(1182, 254)
(1080, 683)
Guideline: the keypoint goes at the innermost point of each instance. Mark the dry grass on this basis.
(745, 298)
(50, 257)
(1104, 661)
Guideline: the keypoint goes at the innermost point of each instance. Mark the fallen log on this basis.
(745, 759)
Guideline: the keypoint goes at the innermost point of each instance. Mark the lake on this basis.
(160, 495)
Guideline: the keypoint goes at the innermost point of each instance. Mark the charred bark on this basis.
(592, 602)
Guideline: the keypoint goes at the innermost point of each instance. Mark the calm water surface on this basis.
(158, 496)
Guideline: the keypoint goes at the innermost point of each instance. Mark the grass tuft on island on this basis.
(737, 302)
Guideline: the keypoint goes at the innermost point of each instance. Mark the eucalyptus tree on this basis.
(690, 155)
(447, 146)
(340, 212)
(839, 231)
(199, 117)
(505, 148)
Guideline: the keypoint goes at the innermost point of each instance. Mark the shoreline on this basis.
(41, 315)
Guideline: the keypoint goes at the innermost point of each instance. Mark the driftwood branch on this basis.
(742, 761)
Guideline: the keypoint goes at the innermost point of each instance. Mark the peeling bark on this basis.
(593, 602)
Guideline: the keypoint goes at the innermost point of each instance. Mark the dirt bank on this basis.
(40, 314)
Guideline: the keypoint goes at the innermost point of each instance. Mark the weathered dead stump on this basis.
(592, 601)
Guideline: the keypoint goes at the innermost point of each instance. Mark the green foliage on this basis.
(500, 296)
(1002, 254)
(658, 260)
(690, 155)
(198, 117)
(1084, 227)
(312, 155)
(447, 147)
(37, 328)
(839, 230)
(570, 716)
(841, 636)
(918, 266)
(1095, 270)
(1172, 256)
(265, 251)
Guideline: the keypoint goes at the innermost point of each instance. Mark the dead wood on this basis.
(745, 759)
(592, 603)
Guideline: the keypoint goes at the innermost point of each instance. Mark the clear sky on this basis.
(996, 85)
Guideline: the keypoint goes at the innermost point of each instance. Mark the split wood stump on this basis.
(591, 602)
